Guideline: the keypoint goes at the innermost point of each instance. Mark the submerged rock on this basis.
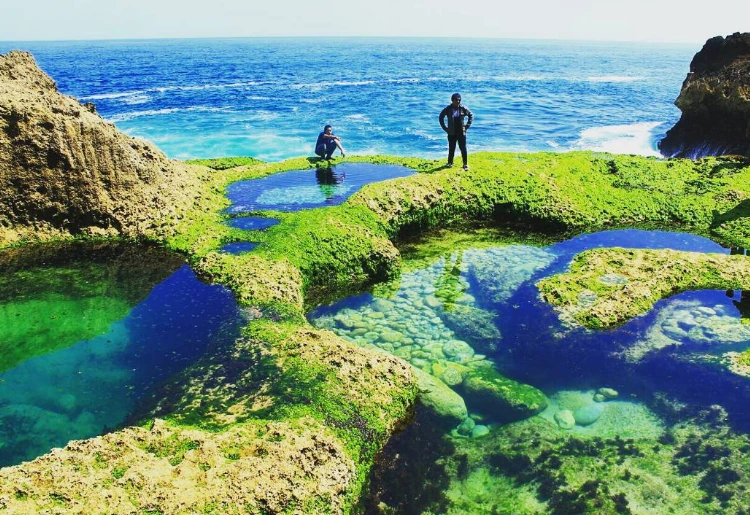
(475, 326)
(588, 414)
(715, 102)
(488, 392)
(439, 398)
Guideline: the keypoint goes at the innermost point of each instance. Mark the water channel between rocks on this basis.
(478, 308)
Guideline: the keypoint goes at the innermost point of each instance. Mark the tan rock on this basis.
(65, 170)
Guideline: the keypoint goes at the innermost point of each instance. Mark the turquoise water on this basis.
(663, 373)
(105, 330)
(269, 98)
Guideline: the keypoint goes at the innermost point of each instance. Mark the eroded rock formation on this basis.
(64, 169)
(715, 102)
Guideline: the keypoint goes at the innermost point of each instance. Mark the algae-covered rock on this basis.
(270, 467)
(565, 419)
(439, 398)
(488, 392)
(652, 275)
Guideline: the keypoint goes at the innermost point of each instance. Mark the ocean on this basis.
(268, 98)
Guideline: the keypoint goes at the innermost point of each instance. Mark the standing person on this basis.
(327, 143)
(456, 129)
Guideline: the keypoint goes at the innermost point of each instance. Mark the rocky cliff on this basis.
(65, 170)
(715, 102)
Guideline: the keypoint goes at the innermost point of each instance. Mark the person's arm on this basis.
(442, 116)
(470, 117)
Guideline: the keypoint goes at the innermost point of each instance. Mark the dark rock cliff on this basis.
(65, 170)
(715, 102)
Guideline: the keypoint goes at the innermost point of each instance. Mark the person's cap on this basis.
(456, 96)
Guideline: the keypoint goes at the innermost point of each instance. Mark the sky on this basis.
(672, 21)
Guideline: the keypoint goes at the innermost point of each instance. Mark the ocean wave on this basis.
(123, 117)
(614, 78)
(316, 86)
(359, 118)
(125, 95)
(634, 139)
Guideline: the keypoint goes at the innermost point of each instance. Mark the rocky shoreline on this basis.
(290, 419)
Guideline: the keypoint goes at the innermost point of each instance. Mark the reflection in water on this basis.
(305, 189)
(329, 182)
(643, 398)
(88, 330)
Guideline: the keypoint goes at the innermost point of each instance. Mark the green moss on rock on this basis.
(606, 287)
(501, 398)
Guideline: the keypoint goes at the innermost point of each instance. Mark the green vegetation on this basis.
(641, 277)
(283, 374)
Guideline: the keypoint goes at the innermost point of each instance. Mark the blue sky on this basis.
(687, 21)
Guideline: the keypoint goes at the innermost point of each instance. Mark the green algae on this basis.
(533, 467)
(52, 296)
(309, 251)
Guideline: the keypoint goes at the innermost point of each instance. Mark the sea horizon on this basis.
(268, 97)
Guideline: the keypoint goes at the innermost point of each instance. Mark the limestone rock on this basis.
(65, 170)
(715, 102)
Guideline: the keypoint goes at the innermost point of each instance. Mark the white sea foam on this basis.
(126, 95)
(614, 78)
(620, 139)
(160, 112)
(106, 96)
(136, 99)
(358, 118)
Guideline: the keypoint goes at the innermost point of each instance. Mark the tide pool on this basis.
(88, 331)
(640, 398)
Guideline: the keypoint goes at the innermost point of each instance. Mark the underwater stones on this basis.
(457, 350)
(607, 393)
(439, 398)
(466, 427)
(588, 414)
(499, 271)
(381, 305)
(565, 419)
(488, 392)
(479, 431)
(475, 326)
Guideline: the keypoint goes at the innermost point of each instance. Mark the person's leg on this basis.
(330, 147)
(462, 146)
(451, 148)
(320, 150)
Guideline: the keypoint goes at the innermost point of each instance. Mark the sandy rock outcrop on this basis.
(65, 170)
(715, 102)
